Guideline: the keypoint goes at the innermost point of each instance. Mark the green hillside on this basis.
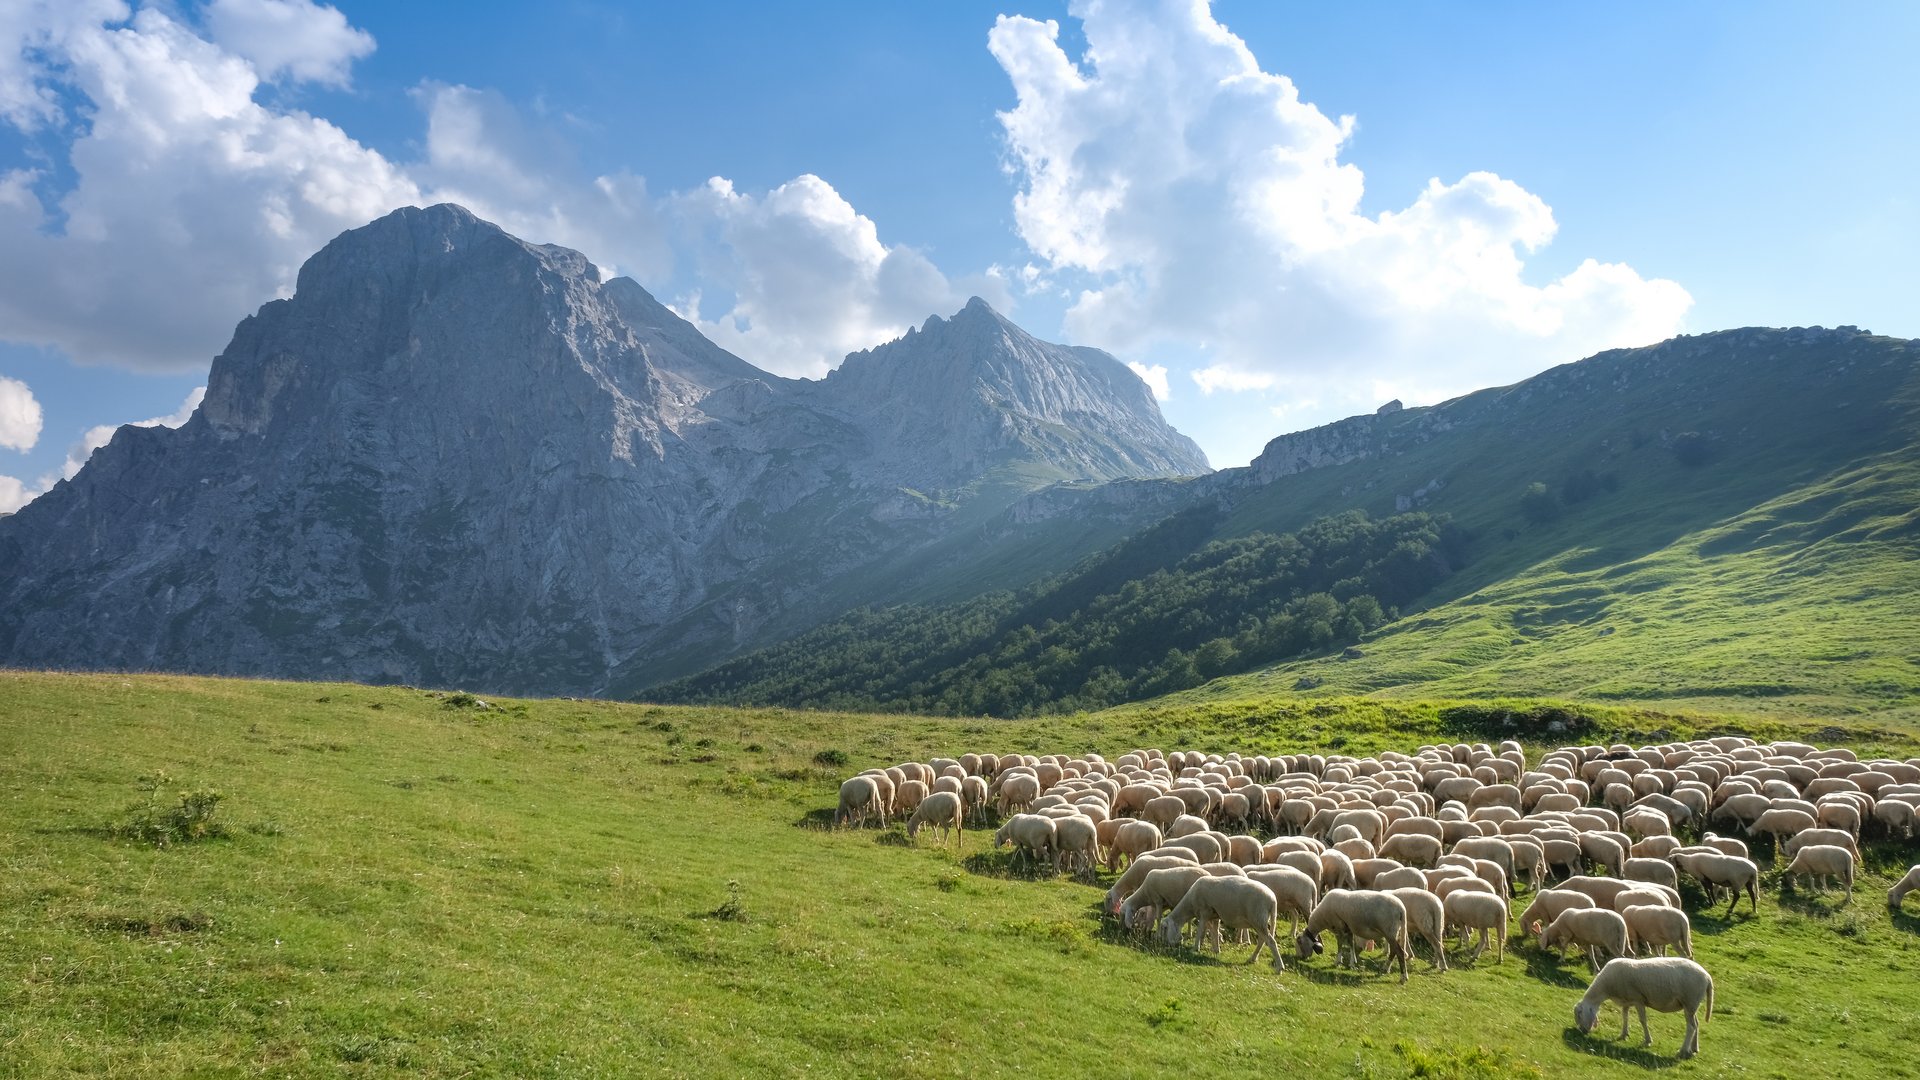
(1729, 515)
(411, 883)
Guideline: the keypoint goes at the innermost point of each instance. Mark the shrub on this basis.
(1538, 504)
(1690, 448)
(160, 823)
(831, 759)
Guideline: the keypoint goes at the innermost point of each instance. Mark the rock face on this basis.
(454, 457)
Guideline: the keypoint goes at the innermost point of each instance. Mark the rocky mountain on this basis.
(454, 457)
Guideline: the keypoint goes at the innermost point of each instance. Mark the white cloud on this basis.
(1201, 203)
(13, 495)
(19, 415)
(1155, 376)
(809, 278)
(295, 39)
(101, 434)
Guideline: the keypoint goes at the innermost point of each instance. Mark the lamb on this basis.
(1716, 871)
(942, 809)
(1235, 903)
(1355, 917)
(1483, 912)
(1426, 920)
(1823, 861)
(1594, 930)
(1904, 886)
(1657, 927)
(1666, 983)
(860, 797)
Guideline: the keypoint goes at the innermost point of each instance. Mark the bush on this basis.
(161, 823)
(1538, 504)
(1690, 448)
(831, 759)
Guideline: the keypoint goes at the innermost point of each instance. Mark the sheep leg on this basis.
(1690, 1045)
(1646, 1033)
(1626, 1019)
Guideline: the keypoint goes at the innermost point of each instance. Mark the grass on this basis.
(569, 888)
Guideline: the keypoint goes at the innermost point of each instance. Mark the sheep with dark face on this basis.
(1355, 917)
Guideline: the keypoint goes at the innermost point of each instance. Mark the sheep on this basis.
(1244, 850)
(1717, 870)
(1029, 833)
(1136, 874)
(1725, 844)
(1467, 910)
(1547, 907)
(1836, 837)
(1076, 845)
(1781, 824)
(1163, 810)
(1604, 851)
(1018, 792)
(1665, 983)
(1355, 917)
(973, 791)
(1412, 849)
(1655, 870)
(1132, 839)
(1658, 926)
(1594, 930)
(860, 797)
(1203, 845)
(1902, 887)
(1400, 877)
(1823, 861)
(942, 809)
(1232, 903)
(1426, 920)
(1336, 871)
(1158, 893)
(1296, 892)
(1187, 825)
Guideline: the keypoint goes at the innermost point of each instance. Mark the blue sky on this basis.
(1187, 196)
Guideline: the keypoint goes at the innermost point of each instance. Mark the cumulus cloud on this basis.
(1202, 203)
(101, 434)
(1155, 376)
(808, 277)
(191, 200)
(19, 415)
(13, 494)
(297, 40)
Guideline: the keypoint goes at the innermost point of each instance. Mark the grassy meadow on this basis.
(412, 884)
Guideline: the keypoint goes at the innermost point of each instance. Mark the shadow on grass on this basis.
(821, 819)
(1715, 920)
(1007, 865)
(1813, 902)
(1544, 967)
(1603, 1044)
(1904, 922)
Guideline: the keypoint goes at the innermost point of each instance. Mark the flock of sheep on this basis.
(1392, 850)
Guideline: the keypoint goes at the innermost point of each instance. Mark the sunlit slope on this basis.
(560, 889)
(1806, 604)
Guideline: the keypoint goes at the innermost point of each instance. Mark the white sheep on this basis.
(1132, 839)
(859, 797)
(1659, 871)
(1658, 926)
(1355, 917)
(1029, 833)
(1717, 870)
(1485, 912)
(942, 809)
(1296, 892)
(1231, 903)
(1158, 893)
(1823, 861)
(1593, 930)
(1137, 872)
(1076, 845)
(1548, 905)
(1904, 886)
(1426, 920)
(1666, 983)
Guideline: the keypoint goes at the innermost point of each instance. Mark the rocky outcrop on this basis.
(454, 457)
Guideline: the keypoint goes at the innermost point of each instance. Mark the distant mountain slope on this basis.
(1696, 482)
(454, 457)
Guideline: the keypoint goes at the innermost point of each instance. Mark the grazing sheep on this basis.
(1136, 874)
(1725, 844)
(1480, 911)
(1244, 850)
(1667, 984)
(1593, 930)
(1296, 892)
(1426, 920)
(1781, 825)
(1823, 861)
(942, 809)
(1028, 833)
(1231, 904)
(1158, 893)
(1076, 845)
(1412, 849)
(1355, 917)
(1902, 887)
(1164, 810)
(1336, 871)
(973, 791)
(1204, 847)
(1655, 870)
(1400, 877)
(1547, 907)
(1132, 839)
(860, 797)
(1658, 926)
(1836, 837)
(1187, 825)
(1647, 897)
(1717, 870)
(1018, 792)
(1604, 851)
